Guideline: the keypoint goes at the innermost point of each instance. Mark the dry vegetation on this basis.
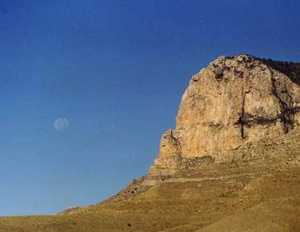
(259, 191)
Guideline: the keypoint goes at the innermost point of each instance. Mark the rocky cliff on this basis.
(231, 164)
(232, 102)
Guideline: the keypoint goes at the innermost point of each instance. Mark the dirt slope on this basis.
(244, 195)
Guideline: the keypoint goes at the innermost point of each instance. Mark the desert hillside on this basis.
(232, 163)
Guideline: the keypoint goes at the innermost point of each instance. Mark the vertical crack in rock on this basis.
(175, 142)
(170, 143)
(243, 120)
(287, 111)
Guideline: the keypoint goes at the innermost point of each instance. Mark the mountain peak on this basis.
(235, 100)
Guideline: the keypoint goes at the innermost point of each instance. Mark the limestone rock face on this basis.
(234, 101)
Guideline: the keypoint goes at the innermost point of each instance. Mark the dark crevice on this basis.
(248, 120)
(286, 116)
(175, 141)
(295, 110)
(242, 118)
(287, 112)
(251, 120)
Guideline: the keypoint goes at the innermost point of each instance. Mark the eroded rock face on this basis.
(235, 100)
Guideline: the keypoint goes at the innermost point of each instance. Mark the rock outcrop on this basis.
(234, 101)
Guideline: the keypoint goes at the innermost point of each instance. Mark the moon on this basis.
(60, 124)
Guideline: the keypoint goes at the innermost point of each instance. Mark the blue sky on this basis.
(112, 72)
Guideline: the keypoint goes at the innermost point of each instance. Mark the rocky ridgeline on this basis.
(232, 102)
